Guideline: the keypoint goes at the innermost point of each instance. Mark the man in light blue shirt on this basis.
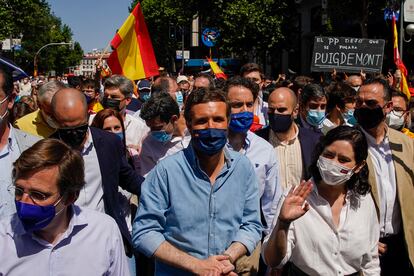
(199, 209)
(48, 235)
(241, 94)
(12, 142)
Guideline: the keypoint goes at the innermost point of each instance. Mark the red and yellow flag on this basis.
(216, 69)
(398, 61)
(133, 55)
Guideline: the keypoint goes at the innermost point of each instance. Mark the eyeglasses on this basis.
(36, 196)
(399, 112)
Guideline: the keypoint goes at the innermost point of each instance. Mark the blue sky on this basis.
(93, 22)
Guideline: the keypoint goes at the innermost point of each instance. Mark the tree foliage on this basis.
(35, 23)
(246, 26)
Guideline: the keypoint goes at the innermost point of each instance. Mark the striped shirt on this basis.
(290, 159)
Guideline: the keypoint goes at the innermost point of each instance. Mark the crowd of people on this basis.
(196, 175)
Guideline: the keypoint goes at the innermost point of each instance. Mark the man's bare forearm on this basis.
(276, 246)
(170, 255)
(235, 251)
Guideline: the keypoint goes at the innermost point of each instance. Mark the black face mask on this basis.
(73, 137)
(280, 122)
(111, 104)
(369, 118)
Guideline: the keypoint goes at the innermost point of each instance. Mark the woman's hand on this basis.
(295, 204)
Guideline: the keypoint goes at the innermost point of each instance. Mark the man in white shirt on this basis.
(253, 72)
(118, 91)
(391, 166)
(48, 234)
(161, 115)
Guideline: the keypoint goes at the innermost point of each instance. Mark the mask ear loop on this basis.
(359, 167)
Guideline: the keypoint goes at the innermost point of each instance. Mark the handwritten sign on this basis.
(347, 54)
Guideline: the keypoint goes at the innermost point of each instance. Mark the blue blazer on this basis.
(115, 171)
(308, 140)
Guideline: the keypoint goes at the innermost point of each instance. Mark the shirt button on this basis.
(336, 253)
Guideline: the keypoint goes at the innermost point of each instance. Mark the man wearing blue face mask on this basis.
(48, 233)
(312, 107)
(199, 208)
(161, 115)
(340, 107)
(241, 94)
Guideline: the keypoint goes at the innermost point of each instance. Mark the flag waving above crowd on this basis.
(133, 55)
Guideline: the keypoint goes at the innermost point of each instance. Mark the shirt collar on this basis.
(194, 162)
(11, 138)
(78, 219)
(371, 139)
(88, 144)
(275, 140)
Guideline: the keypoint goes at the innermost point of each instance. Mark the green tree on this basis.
(38, 26)
(247, 27)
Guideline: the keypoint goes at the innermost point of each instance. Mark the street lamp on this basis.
(44, 46)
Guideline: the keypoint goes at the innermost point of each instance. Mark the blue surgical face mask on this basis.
(349, 117)
(35, 217)
(161, 136)
(209, 141)
(120, 135)
(315, 117)
(145, 96)
(89, 99)
(241, 122)
(179, 98)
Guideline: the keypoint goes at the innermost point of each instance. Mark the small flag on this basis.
(399, 63)
(216, 69)
(133, 55)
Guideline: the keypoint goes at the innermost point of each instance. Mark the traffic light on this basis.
(172, 32)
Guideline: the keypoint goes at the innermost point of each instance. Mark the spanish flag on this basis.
(398, 61)
(133, 55)
(216, 69)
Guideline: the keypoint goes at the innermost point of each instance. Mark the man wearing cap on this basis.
(183, 84)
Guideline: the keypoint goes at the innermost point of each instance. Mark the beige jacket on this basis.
(402, 148)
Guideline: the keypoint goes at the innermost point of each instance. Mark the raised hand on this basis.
(363, 75)
(295, 204)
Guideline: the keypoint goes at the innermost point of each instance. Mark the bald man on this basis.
(106, 165)
(355, 81)
(293, 144)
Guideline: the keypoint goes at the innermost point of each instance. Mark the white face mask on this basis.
(395, 119)
(333, 173)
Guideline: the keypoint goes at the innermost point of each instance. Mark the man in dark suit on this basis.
(294, 145)
(106, 165)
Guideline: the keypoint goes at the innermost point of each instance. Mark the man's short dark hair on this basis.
(48, 153)
(74, 81)
(210, 79)
(311, 91)
(398, 93)
(251, 67)
(89, 83)
(338, 95)
(162, 105)
(8, 80)
(246, 83)
(384, 83)
(161, 85)
(203, 95)
(300, 82)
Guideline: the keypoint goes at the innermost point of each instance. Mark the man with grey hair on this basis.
(40, 122)
(118, 92)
